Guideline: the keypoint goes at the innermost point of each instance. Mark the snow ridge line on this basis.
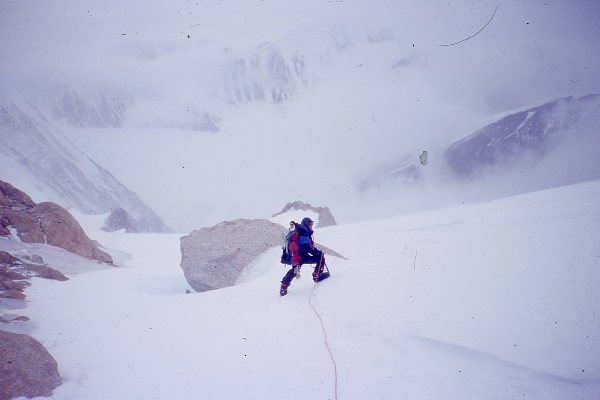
(326, 340)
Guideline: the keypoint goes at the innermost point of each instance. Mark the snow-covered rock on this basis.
(14, 275)
(298, 209)
(268, 75)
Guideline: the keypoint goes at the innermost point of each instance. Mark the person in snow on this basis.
(301, 247)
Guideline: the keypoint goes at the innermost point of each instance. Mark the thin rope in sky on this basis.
(476, 33)
(326, 341)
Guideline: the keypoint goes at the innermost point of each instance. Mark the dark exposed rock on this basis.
(14, 198)
(26, 367)
(45, 223)
(16, 294)
(8, 318)
(7, 258)
(119, 219)
(14, 274)
(325, 216)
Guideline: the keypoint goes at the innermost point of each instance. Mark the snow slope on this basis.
(494, 300)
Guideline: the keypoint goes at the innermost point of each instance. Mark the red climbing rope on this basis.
(326, 340)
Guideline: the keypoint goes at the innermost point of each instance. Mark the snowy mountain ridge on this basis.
(535, 130)
(35, 157)
(528, 149)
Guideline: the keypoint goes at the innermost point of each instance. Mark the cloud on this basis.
(377, 84)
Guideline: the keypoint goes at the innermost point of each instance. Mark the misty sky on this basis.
(107, 41)
(378, 84)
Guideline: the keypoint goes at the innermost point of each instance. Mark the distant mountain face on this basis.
(33, 154)
(100, 110)
(534, 131)
(269, 75)
(33, 150)
(559, 136)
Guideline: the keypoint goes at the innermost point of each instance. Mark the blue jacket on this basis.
(305, 240)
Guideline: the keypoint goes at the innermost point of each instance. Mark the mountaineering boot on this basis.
(319, 275)
(283, 290)
(324, 275)
(318, 271)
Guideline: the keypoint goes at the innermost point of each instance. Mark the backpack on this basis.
(289, 255)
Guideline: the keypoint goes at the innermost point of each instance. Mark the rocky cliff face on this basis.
(44, 223)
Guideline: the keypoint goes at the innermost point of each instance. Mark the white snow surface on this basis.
(495, 300)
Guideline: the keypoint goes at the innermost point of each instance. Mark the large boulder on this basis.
(44, 223)
(26, 367)
(215, 257)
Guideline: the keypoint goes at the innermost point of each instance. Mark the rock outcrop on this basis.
(119, 219)
(14, 275)
(214, 257)
(325, 216)
(44, 223)
(26, 367)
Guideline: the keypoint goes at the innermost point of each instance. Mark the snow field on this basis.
(493, 300)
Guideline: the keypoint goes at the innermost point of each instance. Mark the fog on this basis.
(378, 83)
